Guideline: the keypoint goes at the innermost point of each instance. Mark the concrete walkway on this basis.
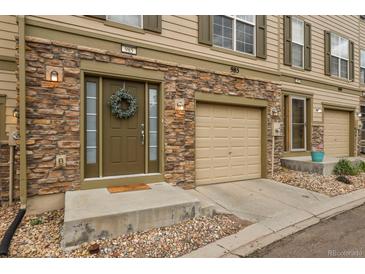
(256, 200)
(279, 210)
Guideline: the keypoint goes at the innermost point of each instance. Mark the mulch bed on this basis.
(327, 185)
(40, 236)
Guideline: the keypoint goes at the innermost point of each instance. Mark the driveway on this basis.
(340, 236)
(256, 200)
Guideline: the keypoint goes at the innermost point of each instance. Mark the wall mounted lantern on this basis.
(54, 74)
(179, 104)
(16, 113)
(318, 109)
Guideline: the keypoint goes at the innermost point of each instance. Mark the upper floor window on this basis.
(339, 56)
(297, 42)
(235, 32)
(362, 66)
(130, 20)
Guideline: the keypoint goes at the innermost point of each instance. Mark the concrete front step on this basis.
(305, 164)
(94, 214)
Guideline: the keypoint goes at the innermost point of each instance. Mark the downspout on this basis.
(9, 233)
(22, 113)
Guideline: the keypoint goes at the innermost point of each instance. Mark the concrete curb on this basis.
(261, 234)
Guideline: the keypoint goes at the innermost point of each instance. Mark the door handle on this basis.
(142, 134)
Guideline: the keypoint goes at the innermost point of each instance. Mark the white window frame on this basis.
(304, 99)
(140, 27)
(235, 19)
(295, 18)
(362, 67)
(340, 58)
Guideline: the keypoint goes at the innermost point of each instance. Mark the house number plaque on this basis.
(129, 49)
(235, 69)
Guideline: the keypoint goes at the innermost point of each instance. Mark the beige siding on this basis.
(179, 33)
(8, 30)
(8, 88)
(346, 26)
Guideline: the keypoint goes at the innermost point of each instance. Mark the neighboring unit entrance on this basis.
(337, 133)
(228, 143)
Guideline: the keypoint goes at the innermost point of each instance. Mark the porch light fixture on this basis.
(54, 76)
(179, 104)
(16, 113)
(359, 114)
(318, 110)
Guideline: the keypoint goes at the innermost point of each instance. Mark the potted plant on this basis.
(317, 153)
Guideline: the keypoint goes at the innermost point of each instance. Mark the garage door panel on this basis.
(232, 143)
(336, 133)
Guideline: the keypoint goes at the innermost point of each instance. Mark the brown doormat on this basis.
(134, 187)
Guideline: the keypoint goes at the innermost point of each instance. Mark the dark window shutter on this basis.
(261, 36)
(351, 61)
(327, 53)
(287, 40)
(152, 23)
(2, 118)
(205, 29)
(102, 17)
(307, 46)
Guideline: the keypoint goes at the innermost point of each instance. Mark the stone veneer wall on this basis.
(4, 173)
(53, 111)
(317, 135)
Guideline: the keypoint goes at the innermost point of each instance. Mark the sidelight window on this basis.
(91, 126)
(153, 128)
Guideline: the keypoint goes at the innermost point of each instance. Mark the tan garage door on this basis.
(228, 143)
(336, 133)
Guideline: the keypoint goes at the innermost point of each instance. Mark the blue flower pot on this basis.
(317, 156)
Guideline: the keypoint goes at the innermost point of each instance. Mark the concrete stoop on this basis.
(94, 214)
(305, 164)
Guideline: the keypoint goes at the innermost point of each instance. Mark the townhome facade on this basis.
(207, 99)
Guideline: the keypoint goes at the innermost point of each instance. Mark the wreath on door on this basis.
(116, 100)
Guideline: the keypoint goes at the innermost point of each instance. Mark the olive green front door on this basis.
(123, 139)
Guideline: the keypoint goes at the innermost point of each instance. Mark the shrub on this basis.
(36, 221)
(345, 167)
(344, 179)
(361, 166)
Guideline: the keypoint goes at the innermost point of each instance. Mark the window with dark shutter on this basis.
(205, 29)
(287, 40)
(152, 23)
(351, 61)
(2, 117)
(339, 56)
(101, 17)
(261, 36)
(307, 46)
(327, 53)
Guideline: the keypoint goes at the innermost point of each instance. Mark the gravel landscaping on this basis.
(40, 236)
(323, 184)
